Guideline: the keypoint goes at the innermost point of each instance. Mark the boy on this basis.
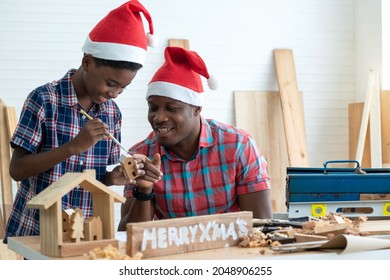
(53, 137)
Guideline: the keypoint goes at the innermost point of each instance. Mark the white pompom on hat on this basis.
(120, 35)
(179, 77)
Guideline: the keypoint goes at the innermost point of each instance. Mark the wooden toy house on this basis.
(129, 166)
(49, 203)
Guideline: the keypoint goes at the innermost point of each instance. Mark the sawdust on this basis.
(329, 226)
(111, 253)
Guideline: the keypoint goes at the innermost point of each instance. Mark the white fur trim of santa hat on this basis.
(113, 51)
(179, 77)
(176, 92)
(120, 35)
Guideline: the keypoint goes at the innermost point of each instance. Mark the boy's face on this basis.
(176, 124)
(104, 82)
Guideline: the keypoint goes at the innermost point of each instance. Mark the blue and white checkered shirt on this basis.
(51, 117)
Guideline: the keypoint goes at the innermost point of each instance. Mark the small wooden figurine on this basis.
(76, 231)
(93, 229)
(129, 166)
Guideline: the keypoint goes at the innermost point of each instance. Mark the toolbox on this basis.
(319, 191)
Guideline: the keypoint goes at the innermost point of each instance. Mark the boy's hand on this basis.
(117, 177)
(92, 132)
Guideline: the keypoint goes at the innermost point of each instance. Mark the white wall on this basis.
(372, 31)
(385, 45)
(368, 43)
(41, 39)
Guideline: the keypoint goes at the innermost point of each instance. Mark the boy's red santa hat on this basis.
(179, 77)
(120, 35)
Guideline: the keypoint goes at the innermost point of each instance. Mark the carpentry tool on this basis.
(319, 191)
(127, 161)
(276, 223)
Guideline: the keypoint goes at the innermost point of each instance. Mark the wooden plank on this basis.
(260, 114)
(325, 229)
(385, 125)
(7, 254)
(100, 209)
(181, 235)
(84, 247)
(300, 237)
(365, 118)
(11, 120)
(355, 112)
(6, 181)
(58, 189)
(51, 229)
(375, 124)
(374, 196)
(375, 227)
(184, 43)
(2, 225)
(292, 108)
(64, 185)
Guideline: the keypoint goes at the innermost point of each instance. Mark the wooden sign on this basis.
(181, 235)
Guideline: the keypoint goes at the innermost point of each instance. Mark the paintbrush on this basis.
(110, 136)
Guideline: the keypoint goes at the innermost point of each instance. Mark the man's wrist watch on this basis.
(142, 196)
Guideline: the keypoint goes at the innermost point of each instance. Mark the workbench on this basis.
(29, 248)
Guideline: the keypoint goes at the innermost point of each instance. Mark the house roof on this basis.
(86, 180)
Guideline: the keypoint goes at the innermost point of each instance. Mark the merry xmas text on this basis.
(165, 237)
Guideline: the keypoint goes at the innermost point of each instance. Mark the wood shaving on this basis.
(259, 239)
(351, 226)
(111, 253)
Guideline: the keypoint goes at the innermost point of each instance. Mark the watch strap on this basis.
(142, 196)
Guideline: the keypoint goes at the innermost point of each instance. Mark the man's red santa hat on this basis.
(179, 77)
(120, 35)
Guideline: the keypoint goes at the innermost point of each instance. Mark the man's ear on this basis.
(197, 110)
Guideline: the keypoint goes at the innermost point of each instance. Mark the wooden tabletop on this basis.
(29, 247)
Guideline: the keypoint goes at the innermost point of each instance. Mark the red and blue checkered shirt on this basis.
(227, 164)
(51, 117)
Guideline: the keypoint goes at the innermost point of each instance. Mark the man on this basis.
(53, 137)
(209, 167)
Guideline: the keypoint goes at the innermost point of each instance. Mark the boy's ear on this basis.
(87, 62)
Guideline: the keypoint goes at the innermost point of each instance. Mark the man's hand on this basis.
(150, 173)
